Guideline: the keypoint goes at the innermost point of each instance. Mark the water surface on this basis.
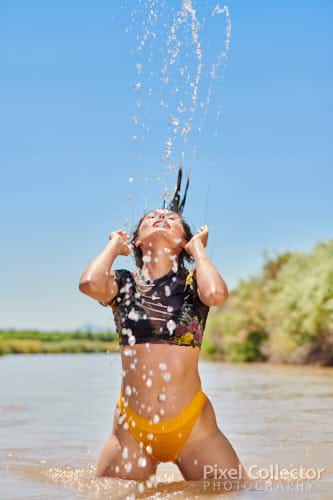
(56, 412)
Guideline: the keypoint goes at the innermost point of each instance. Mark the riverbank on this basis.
(35, 342)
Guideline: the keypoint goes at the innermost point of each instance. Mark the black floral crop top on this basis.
(165, 310)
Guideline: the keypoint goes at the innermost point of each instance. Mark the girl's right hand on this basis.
(122, 239)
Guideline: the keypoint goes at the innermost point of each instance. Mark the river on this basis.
(56, 412)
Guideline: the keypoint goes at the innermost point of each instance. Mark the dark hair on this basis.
(183, 256)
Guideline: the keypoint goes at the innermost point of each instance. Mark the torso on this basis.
(160, 326)
(154, 369)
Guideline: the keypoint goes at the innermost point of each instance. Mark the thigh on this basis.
(211, 457)
(123, 457)
(207, 449)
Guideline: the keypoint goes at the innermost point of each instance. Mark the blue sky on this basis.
(261, 176)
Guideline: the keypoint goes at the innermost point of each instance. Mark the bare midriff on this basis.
(159, 379)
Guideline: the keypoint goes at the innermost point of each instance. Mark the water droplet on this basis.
(134, 315)
(142, 462)
(129, 352)
(128, 390)
(174, 121)
(217, 10)
(171, 325)
(141, 487)
(181, 108)
(162, 396)
(128, 467)
(175, 266)
(131, 340)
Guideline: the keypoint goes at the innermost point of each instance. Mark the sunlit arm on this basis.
(212, 289)
(97, 280)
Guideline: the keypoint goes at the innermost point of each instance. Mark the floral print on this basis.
(189, 278)
(190, 333)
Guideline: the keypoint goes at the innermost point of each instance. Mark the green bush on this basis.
(290, 304)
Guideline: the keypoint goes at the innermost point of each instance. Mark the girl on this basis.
(160, 311)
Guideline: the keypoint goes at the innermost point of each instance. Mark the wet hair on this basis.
(182, 257)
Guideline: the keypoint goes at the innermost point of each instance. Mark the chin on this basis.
(161, 234)
(160, 229)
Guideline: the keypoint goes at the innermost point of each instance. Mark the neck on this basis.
(158, 261)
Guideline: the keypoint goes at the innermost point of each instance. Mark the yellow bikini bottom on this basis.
(166, 438)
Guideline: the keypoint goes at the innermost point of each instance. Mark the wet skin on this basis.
(144, 367)
(206, 443)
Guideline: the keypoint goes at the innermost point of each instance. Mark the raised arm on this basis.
(212, 289)
(98, 279)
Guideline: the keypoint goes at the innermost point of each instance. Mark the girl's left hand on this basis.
(201, 235)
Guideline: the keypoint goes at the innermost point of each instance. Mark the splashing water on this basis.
(181, 119)
(214, 67)
(174, 76)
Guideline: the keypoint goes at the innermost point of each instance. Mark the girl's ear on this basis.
(137, 242)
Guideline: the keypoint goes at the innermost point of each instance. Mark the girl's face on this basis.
(162, 222)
